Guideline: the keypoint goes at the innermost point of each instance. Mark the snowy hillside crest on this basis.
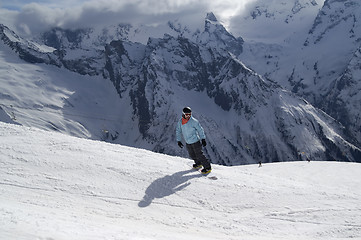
(247, 118)
(55, 186)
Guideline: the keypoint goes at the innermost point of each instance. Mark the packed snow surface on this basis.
(54, 186)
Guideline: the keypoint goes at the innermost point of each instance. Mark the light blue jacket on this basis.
(192, 131)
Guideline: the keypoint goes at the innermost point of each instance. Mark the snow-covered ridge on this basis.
(10, 36)
(54, 186)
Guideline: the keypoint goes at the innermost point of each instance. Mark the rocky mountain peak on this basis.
(215, 35)
(211, 17)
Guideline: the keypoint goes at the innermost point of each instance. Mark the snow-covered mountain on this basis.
(247, 118)
(314, 54)
(276, 21)
(55, 186)
(344, 98)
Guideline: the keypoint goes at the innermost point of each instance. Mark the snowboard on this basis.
(209, 175)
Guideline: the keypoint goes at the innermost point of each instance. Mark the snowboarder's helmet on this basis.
(187, 110)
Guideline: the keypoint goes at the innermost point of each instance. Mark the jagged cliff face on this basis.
(246, 118)
(338, 25)
(316, 58)
(344, 98)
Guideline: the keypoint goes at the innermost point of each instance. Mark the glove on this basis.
(204, 143)
(180, 144)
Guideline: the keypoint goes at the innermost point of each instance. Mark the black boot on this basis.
(197, 166)
(206, 170)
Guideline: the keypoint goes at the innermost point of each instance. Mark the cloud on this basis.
(35, 17)
(42, 15)
(7, 17)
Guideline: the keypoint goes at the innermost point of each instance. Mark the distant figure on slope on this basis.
(194, 136)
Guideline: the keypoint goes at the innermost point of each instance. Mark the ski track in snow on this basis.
(54, 186)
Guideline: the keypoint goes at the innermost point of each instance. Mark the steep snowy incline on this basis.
(49, 97)
(54, 186)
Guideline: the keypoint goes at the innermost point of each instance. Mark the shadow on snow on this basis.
(167, 186)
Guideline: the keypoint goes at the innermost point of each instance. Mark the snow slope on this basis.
(49, 97)
(55, 186)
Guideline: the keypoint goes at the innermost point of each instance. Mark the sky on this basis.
(34, 16)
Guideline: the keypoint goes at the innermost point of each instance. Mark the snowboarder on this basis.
(194, 136)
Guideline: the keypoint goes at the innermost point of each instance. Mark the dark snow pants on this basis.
(196, 153)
